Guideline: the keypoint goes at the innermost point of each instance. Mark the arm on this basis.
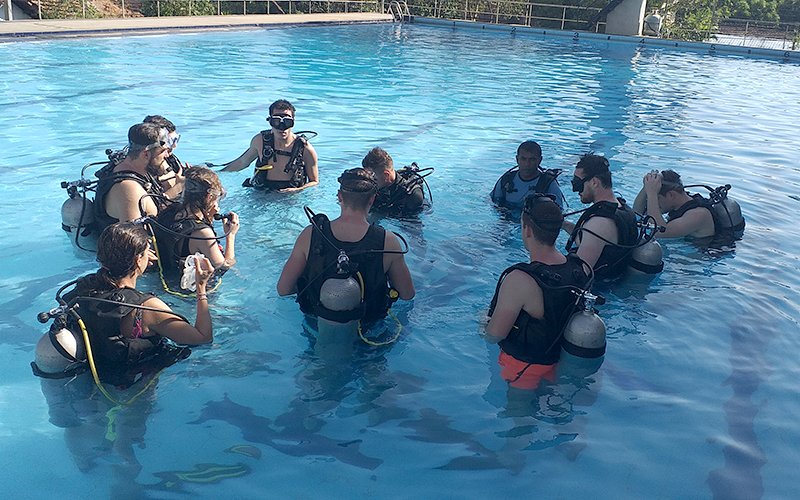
(312, 171)
(246, 158)
(395, 266)
(591, 246)
(688, 224)
(174, 328)
(124, 205)
(640, 203)
(652, 185)
(497, 191)
(294, 267)
(568, 226)
(517, 292)
(207, 247)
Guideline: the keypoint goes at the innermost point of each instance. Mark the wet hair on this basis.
(377, 160)
(199, 181)
(281, 105)
(142, 135)
(357, 186)
(543, 215)
(670, 181)
(160, 121)
(117, 249)
(595, 166)
(532, 147)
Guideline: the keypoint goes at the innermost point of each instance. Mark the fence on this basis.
(66, 9)
(545, 15)
(763, 34)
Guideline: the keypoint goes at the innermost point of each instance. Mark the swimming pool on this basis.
(696, 397)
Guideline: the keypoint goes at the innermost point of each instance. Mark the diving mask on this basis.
(281, 122)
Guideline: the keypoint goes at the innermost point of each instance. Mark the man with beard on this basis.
(123, 193)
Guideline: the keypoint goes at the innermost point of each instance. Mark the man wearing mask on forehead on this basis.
(606, 232)
(285, 162)
(123, 194)
(171, 176)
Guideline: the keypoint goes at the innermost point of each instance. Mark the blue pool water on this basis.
(697, 396)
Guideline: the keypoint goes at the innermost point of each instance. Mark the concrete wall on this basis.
(627, 18)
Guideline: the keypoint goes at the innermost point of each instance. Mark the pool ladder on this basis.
(399, 11)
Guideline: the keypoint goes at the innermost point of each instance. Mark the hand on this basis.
(652, 183)
(289, 190)
(151, 257)
(202, 272)
(231, 224)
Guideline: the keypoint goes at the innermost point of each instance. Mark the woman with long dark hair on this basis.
(124, 338)
(186, 228)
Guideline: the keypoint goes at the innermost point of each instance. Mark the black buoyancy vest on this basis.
(321, 265)
(614, 259)
(538, 341)
(545, 178)
(405, 196)
(699, 201)
(106, 182)
(296, 166)
(173, 248)
(113, 353)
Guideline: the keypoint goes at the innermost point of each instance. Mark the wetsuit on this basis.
(405, 196)
(173, 248)
(119, 359)
(321, 265)
(510, 190)
(295, 167)
(106, 182)
(614, 259)
(538, 341)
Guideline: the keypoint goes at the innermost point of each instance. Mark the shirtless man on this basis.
(285, 162)
(122, 194)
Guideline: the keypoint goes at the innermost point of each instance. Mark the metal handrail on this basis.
(399, 10)
(514, 10)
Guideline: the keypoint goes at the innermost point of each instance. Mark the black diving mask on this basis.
(578, 183)
(281, 122)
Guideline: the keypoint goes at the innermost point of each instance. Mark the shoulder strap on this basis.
(546, 177)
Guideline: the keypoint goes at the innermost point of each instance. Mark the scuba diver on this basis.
(534, 301)
(171, 177)
(346, 269)
(126, 330)
(400, 193)
(607, 232)
(285, 161)
(123, 188)
(526, 177)
(694, 216)
(186, 227)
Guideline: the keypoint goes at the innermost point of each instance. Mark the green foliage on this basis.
(179, 8)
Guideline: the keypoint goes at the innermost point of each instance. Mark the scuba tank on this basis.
(648, 256)
(727, 213)
(77, 212)
(341, 292)
(60, 352)
(585, 333)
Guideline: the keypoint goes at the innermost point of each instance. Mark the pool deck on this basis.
(50, 28)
